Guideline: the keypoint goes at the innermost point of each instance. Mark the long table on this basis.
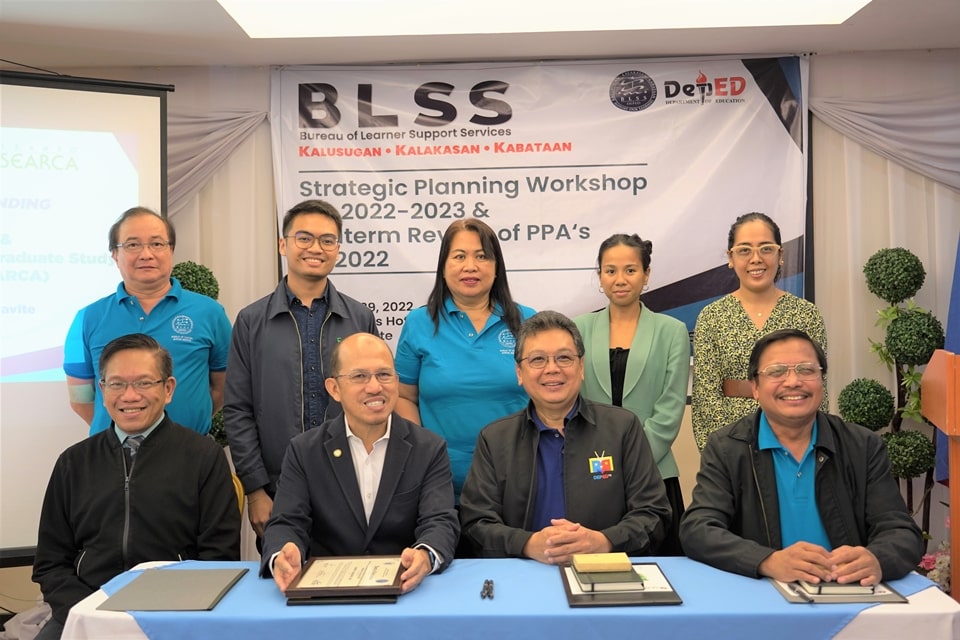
(529, 602)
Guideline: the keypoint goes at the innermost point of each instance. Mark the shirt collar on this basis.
(176, 290)
(542, 427)
(766, 439)
(451, 308)
(291, 296)
(350, 434)
(122, 435)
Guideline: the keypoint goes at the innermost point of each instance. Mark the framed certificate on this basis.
(346, 577)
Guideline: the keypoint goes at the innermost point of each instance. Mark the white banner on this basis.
(555, 157)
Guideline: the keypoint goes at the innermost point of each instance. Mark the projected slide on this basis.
(75, 153)
(62, 191)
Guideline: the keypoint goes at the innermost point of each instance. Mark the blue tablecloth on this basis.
(529, 603)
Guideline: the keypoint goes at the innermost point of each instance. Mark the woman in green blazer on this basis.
(638, 359)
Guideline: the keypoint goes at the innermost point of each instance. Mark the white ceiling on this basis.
(55, 35)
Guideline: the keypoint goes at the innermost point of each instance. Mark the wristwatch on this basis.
(432, 557)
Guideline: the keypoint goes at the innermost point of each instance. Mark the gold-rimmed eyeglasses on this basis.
(804, 371)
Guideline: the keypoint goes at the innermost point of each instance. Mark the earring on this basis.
(645, 287)
(601, 288)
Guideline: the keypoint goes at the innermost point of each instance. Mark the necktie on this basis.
(130, 446)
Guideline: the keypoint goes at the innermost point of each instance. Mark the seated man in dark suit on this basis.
(365, 482)
(144, 489)
(565, 475)
(792, 493)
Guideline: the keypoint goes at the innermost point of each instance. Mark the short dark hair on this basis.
(313, 206)
(753, 369)
(545, 321)
(499, 293)
(113, 236)
(141, 342)
(750, 217)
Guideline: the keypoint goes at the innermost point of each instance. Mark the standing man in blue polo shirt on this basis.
(192, 327)
(792, 493)
(280, 354)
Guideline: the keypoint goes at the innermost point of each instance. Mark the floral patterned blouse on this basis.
(722, 341)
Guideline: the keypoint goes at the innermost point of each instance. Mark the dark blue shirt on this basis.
(549, 502)
(309, 321)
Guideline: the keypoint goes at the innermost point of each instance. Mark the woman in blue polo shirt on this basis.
(455, 355)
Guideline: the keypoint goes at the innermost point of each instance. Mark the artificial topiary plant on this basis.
(199, 279)
(911, 453)
(868, 403)
(912, 335)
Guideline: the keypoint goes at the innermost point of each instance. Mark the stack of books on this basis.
(606, 572)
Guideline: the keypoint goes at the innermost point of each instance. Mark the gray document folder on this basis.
(174, 590)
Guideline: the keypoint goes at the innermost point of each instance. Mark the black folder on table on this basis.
(174, 590)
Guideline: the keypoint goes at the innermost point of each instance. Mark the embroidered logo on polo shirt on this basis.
(182, 324)
(507, 341)
(601, 466)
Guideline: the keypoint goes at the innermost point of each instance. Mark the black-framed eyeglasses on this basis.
(364, 377)
(137, 247)
(305, 240)
(563, 360)
(804, 371)
(745, 251)
(120, 386)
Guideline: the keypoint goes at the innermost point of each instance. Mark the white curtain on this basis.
(885, 147)
(922, 134)
(230, 224)
(198, 144)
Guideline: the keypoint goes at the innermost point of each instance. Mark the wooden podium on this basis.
(940, 404)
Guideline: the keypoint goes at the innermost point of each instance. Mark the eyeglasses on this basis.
(804, 371)
(745, 252)
(305, 240)
(363, 377)
(563, 360)
(135, 247)
(119, 386)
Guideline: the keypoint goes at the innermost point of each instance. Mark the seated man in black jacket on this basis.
(792, 493)
(565, 475)
(145, 489)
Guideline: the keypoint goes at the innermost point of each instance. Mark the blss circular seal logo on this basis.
(507, 341)
(182, 324)
(633, 91)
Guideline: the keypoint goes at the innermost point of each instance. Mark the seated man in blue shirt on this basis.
(365, 482)
(565, 475)
(792, 493)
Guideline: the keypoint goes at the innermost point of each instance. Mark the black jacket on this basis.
(180, 503)
(263, 399)
(628, 505)
(733, 521)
